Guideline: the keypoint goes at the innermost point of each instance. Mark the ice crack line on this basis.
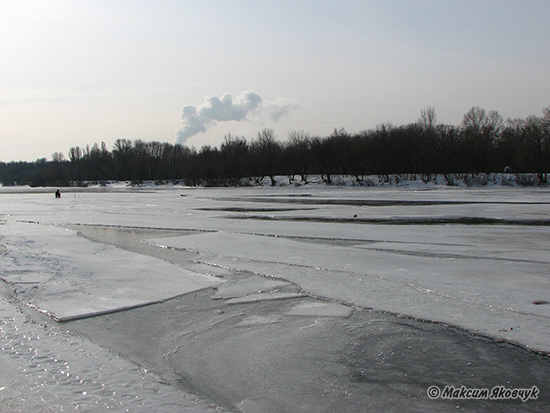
(444, 255)
(474, 302)
(427, 220)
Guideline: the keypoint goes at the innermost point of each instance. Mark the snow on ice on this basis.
(310, 258)
(69, 277)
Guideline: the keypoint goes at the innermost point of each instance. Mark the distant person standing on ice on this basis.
(58, 194)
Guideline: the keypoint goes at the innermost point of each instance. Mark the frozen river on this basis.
(273, 299)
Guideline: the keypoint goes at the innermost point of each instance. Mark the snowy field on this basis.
(282, 299)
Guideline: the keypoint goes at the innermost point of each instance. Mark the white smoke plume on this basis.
(279, 108)
(197, 120)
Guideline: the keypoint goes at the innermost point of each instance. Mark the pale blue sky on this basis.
(83, 71)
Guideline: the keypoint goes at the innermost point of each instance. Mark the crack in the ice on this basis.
(444, 255)
(426, 220)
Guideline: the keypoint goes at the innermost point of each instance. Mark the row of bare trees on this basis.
(483, 143)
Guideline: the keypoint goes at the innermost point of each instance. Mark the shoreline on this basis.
(388, 181)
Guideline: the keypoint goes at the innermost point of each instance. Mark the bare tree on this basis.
(58, 157)
(536, 136)
(234, 154)
(428, 118)
(122, 152)
(269, 151)
(75, 154)
(298, 150)
(480, 131)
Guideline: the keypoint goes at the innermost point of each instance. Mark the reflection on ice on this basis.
(43, 370)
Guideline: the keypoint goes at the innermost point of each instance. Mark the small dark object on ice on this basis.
(540, 302)
(58, 194)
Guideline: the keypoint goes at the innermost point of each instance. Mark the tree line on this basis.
(483, 143)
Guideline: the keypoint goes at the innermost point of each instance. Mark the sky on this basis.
(77, 72)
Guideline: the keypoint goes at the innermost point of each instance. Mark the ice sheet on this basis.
(492, 297)
(193, 208)
(481, 277)
(247, 286)
(320, 309)
(69, 277)
(254, 298)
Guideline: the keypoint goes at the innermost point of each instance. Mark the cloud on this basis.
(198, 120)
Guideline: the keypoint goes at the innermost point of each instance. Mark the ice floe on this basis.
(68, 277)
(320, 309)
(247, 286)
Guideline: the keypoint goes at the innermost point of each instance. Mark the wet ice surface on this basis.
(490, 293)
(285, 326)
(295, 355)
(44, 369)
